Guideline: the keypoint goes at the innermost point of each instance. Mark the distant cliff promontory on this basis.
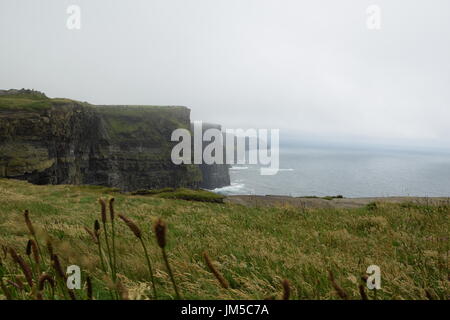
(62, 141)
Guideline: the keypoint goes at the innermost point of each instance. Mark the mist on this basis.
(309, 68)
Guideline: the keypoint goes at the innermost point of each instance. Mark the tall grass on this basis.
(138, 234)
(282, 253)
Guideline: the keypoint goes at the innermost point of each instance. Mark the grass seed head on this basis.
(45, 278)
(103, 210)
(111, 209)
(341, 293)
(133, 227)
(32, 248)
(28, 249)
(362, 292)
(49, 246)
(160, 229)
(57, 266)
(23, 265)
(97, 230)
(223, 282)
(17, 285)
(364, 278)
(92, 235)
(286, 289)
(30, 227)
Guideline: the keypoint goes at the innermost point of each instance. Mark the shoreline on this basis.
(322, 203)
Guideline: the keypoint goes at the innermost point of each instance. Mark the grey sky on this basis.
(310, 67)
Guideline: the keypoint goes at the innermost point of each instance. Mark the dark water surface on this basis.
(351, 173)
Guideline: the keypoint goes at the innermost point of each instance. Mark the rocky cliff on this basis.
(61, 141)
(214, 175)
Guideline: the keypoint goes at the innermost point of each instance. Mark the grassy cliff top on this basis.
(253, 248)
(29, 100)
(151, 121)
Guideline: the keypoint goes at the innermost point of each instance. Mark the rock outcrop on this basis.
(61, 141)
(214, 175)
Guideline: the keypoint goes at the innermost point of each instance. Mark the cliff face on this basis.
(60, 141)
(214, 175)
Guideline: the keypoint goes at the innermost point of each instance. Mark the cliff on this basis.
(62, 141)
(214, 175)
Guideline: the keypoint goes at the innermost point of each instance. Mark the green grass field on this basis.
(31, 102)
(254, 249)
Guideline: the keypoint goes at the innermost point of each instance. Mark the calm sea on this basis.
(347, 172)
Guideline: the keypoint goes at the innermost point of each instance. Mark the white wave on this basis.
(238, 168)
(233, 189)
(285, 169)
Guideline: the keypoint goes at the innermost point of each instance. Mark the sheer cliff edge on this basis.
(62, 141)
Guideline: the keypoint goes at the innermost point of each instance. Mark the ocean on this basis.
(320, 171)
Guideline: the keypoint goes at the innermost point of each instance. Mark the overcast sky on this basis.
(310, 67)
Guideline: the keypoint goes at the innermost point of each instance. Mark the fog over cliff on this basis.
(310, 68)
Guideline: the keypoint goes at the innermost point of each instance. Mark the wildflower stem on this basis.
(108, 247)
(100, 253)
(150, 269)
(169, 269)
(113, 236)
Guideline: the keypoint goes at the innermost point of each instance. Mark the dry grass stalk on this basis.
(49, 247)
(62, 275)
(113, 237)
(362, 292)
(429, 294)
(138, 234)
(97, 229)
(23, 265)
(123, 292)
(97, 241)
(286, 289)
(5, 290)
(160, 232)
(133, 227)
(160, 229)
(103, 210)
(89, 288)
(28, 249)
(5, 251)
(92, 235)
(364, 278)
(45, 278)
(223, 282)
(341, 293)
(111, 209)
(105, 231)
(58, 268)
(17, 285)
(33, 233)
(28, 223)
(72, 294)
(35, 251)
